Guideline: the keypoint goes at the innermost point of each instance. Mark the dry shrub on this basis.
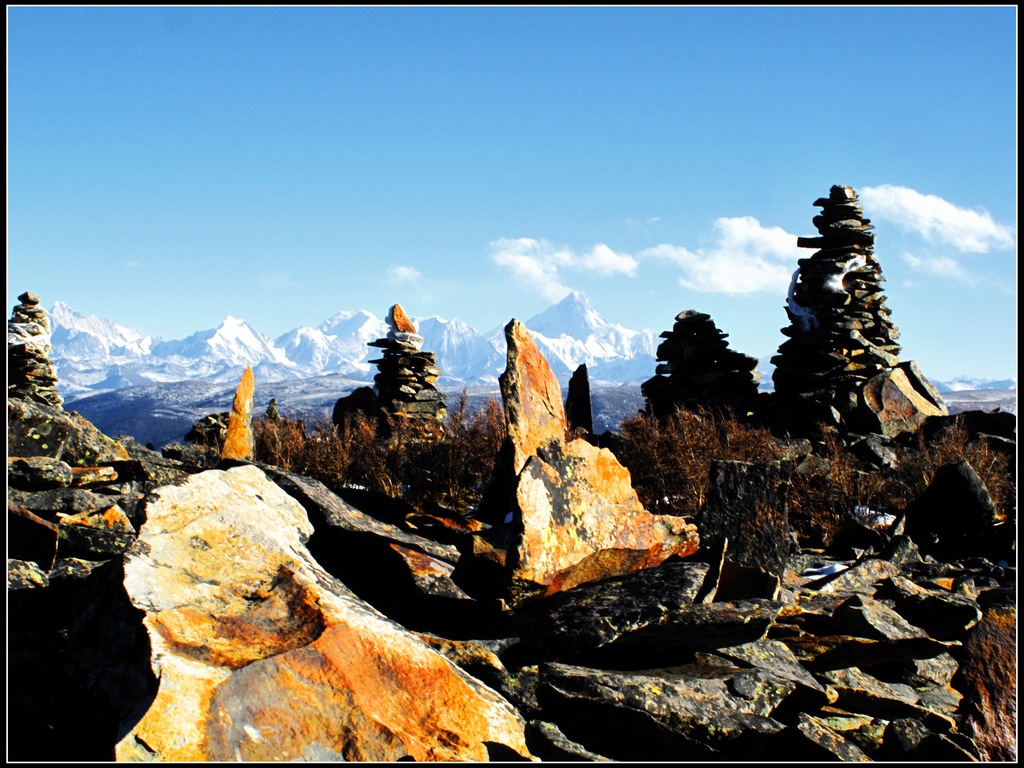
(669, 460)
(917, 468)
(445, 464)
(825, 489)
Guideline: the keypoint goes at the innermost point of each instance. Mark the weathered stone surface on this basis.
(865, 617)
(955, 517)
(827, 739)
(534, 415)
(643, 619)
(746, 504)
(261, 655)
(38, 472)
(238, 443)
(701, 713)
(38, 430)
(96, 535)
(578, 411)
(941, 614)
(578, 519)
(988, 679)
(547, 742)
(892, 406)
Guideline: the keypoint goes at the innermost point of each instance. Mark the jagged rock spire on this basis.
(30, 373)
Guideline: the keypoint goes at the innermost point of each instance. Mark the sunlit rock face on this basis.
(261, 655)
(575, 516)
(239, 442)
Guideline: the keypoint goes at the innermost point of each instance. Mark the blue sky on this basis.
(169, 166)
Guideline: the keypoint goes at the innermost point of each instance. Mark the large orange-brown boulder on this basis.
(892, 405)
(572, 513)
(534, 414)
(239, 443)
(261, 655)
(579, 519)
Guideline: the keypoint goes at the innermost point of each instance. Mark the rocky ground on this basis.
(159, 609)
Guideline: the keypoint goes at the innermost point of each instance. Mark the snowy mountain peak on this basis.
(77, 336)
(233, 342)
(572, 316)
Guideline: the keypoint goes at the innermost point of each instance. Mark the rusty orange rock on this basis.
(239, 441)
(989, 684)
(399, 321)
(580, 520)
(261, 656)
(534, 414)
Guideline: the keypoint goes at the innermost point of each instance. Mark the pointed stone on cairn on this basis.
(697, 367)
(30, 373)
(239, 443)
(405, 380)
(840, 334)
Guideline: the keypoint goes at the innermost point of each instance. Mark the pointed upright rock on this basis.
(238, 444)
(574, 515)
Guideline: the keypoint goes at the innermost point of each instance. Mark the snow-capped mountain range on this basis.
(95, 355)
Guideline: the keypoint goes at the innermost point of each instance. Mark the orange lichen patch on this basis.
(582, 521)
(86, 475)
(278, 619)
(366, 690)
(113, 518)
(400, 321)
(239, 441)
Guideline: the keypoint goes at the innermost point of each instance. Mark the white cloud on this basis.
(745, 257)
(537, 263)
(935, 219)
(943, 266)
(608, 262)
(133, 264)
(400, 274)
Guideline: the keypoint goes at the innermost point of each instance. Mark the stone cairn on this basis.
(30, 374)
(697, 367)
(840, 332)
(405, 380)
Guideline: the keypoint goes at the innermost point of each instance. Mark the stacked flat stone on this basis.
(696, 367)
(30, 374)
(405, 380)
(840, 333)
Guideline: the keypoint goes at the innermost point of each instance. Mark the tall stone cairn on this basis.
(30, 374)
(405, 380)
(696, 367)
(840, 332)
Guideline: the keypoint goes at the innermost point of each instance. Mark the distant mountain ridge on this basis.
(94, 355)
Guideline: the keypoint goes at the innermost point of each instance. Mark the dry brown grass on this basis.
(446, 465)
(669, 460)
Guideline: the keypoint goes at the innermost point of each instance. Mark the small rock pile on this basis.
(841, 335)
(405, 382)
(30, 374)
(697, 367)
